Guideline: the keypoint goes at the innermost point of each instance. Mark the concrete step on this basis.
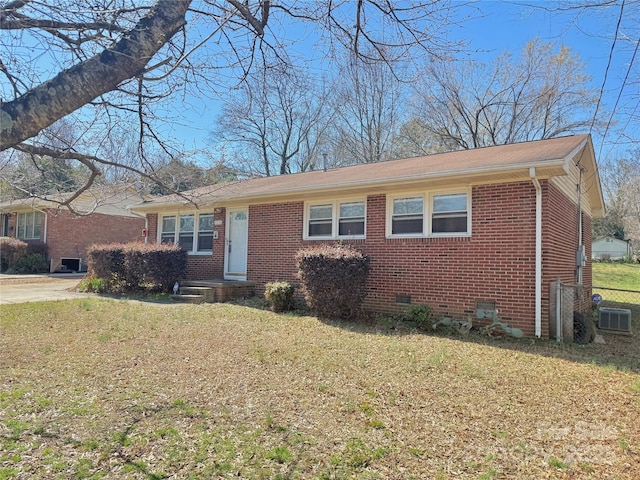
(208, 293)
(188, 298)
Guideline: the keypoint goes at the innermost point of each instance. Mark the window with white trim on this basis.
(408, 217)
(29, 225)
(449, 213)
(181, 229)
(335, 219)
(429, 214)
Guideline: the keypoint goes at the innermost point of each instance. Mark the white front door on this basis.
(235, 258)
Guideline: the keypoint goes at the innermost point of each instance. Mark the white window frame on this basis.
(196, 229)
(427, 219)
(36, 225)
(335, 219)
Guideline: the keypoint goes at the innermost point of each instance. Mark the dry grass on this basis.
(109, 389)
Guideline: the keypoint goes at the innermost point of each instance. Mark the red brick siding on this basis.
(560, 244)
(275, 235)
(497, 263)
(69, 236)
(450, 274)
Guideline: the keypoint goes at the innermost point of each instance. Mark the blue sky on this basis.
(508, 25)
(494, 26)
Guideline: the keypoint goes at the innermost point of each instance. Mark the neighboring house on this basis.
(612, 248)
(101, 216)
(458, 231)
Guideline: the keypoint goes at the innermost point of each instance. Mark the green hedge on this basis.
(333, 279)
(137, 267)
(11, 250)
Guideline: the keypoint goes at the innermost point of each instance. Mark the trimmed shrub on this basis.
(39, 247)
(11, 249)
(280, 295)
(32, 263)
(137, 267)
(333, 279)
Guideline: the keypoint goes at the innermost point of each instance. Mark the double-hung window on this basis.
(193, 232)
(429, 214)
(321, 221)
(29, 225)
(449, 213)
(205, 233)
(408, 216)
(335, 220)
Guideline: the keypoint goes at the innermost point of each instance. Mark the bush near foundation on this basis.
(32, 263)
(137, 267)
(280, 295)
(11, 249)
(333, 279)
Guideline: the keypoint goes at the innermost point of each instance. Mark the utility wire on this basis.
(606, 72)
(624, 82)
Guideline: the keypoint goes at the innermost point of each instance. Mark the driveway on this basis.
(38, 288)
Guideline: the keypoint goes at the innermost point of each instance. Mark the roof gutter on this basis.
(538, 292)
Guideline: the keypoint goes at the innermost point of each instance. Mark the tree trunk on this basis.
(71, 89)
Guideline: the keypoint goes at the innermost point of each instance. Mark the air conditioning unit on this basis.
(615, 319)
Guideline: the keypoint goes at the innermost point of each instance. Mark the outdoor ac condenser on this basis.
(615, 319)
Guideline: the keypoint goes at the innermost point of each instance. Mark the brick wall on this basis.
(560, 244)
(69, 236)
(495, 264)
(450, 274)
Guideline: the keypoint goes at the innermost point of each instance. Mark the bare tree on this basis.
(621, 185)
(274, 121)
(119, 62)
(368, 107)
(542, 95)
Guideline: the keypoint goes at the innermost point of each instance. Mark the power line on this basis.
(624, 82)
(606, 72)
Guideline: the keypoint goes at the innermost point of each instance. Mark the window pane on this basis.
(318, 212)
(21, 225)
(352, 210)
(167, 238)
(205, 223)
(168, 225)
(186, 224)
(29, 225)
(186, 241)
(456, 202)
(320, 229)
(451, 224)
(406, 225)
(320, 220)
(347, 228)
(37, 219)
(407, 206)
(205, 242)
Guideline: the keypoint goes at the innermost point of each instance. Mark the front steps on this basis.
(211, 291)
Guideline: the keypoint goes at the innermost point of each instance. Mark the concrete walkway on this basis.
(39, 288)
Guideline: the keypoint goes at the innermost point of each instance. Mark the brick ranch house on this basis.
(455, 230)
(100, 216)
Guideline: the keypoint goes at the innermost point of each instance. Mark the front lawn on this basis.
(99, 388)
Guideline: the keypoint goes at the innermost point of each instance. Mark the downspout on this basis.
(538, 299)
